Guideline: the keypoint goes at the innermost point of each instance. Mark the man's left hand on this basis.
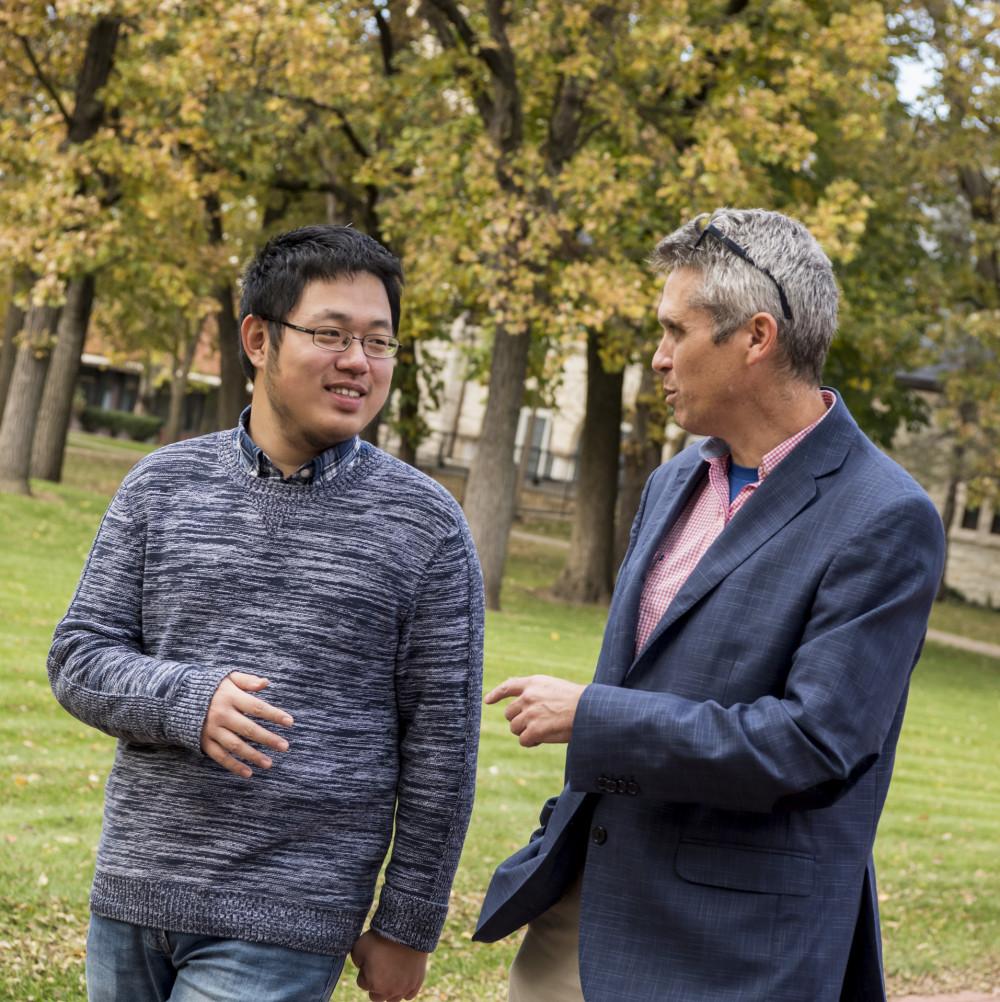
(388, 971)
(543, 709)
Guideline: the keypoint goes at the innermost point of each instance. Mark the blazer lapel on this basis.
(618, 649)
(774, 504)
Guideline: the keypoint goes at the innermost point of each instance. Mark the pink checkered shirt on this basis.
(704, 517)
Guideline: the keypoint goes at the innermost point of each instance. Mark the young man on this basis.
(727, 767)
(282, 626)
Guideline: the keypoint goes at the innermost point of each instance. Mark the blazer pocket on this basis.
(744, 868)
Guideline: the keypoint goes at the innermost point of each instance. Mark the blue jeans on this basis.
(132, 963)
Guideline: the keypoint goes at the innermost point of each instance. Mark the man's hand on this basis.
(228, 726)
(388, 971)
(544, 709)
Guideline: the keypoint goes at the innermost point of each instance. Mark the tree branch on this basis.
(44, 80)
(310, 102)
(441, 26)
(385, 41)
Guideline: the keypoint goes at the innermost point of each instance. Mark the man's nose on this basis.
(353, 357)
(663, 357)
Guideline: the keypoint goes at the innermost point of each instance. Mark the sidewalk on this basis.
(960, 997)
(965, 644)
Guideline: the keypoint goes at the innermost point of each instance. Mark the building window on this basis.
(995, 524)
(970, 518)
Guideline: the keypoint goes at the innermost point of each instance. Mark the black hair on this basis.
(273, 281)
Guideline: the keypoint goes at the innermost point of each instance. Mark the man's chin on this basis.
(323, 438)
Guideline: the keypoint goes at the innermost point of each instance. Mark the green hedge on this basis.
(138, 427)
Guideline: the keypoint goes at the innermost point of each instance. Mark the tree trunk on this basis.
(144, 398)
(642, 454)
(233, 381)
(408, 389)
(57, 400)
(13, 323)
(489, 489)
(25, 394)
(233, 386)
(587, 574)
(183, 359)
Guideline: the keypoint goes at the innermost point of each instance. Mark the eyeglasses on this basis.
(713, 231)
(338, 339)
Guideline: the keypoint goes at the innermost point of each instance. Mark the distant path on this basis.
(975, 646)
(534, 537)
(959, 997)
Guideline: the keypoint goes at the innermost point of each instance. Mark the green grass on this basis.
(551, 528)
(973, 621)
(936, 849)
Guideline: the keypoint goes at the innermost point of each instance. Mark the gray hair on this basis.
(733, 289)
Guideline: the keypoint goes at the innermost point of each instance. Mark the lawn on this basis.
(939, 883)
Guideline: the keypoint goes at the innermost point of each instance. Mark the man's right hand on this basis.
(228, 726)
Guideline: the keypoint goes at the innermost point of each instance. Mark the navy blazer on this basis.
(723, 784)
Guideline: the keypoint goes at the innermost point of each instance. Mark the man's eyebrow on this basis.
(346, 320)
(670, 324)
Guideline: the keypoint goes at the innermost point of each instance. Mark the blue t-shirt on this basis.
(739, 477)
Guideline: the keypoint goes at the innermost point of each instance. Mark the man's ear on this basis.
(763, 338)
(256, 342)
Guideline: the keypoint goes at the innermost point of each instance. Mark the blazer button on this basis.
(633, 788)
(599, 835)
(622, 786)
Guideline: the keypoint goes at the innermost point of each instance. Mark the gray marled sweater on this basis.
(361, 601)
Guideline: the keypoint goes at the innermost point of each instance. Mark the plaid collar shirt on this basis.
(706, 514)
(321, 469)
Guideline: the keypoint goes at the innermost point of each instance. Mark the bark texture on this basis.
(233, 381)
(13, 322)
(587, 575)
(407, 388)
(233, 387)
(23, 399)
(56, 407)
(642, 454)
(183, 359)
(489, 490)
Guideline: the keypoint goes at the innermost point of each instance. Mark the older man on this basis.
(727, 766)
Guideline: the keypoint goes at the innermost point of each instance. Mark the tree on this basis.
(54, 411)
(587, 576)
(951, 136)
(958, 136)
(518, 85)
(581, 132)
(70, 172)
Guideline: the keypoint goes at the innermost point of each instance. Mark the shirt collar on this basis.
(717, 451)
(321, 469)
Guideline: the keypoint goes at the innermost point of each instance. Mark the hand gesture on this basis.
(388, 971)
(543, 710)
(228, 726)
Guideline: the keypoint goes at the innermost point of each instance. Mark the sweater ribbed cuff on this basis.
(189, 701)
(414, 922)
